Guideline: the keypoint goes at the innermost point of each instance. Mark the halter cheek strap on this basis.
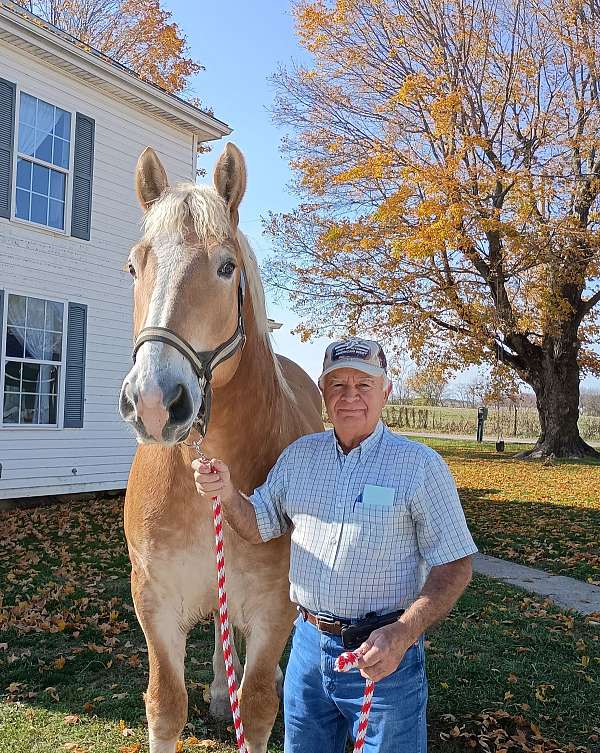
(202, 362)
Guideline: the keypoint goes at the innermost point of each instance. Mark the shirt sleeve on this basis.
(269, 500)
(442, 532)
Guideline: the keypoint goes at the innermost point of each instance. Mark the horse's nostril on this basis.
(179, 405)
(126, 402)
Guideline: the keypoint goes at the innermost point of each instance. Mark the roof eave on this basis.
(44, 44)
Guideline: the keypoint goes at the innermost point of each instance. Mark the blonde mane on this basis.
(210, 217)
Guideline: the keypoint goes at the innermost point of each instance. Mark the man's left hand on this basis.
(382, 652)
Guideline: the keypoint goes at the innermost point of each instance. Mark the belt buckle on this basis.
(325, 619)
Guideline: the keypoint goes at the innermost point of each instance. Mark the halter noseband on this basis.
(202, 362)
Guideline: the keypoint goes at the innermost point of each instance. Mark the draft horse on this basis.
(201, 332)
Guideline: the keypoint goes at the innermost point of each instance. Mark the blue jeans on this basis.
(322, 706)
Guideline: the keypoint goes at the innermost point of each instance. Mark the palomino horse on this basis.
(190, 271)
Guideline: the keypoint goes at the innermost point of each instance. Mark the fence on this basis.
(523, 422)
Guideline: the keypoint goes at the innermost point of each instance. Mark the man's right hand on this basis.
(213, 479)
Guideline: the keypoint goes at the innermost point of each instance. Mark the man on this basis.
(380, 551)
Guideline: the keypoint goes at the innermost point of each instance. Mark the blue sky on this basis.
(241, 45)
(240, 49)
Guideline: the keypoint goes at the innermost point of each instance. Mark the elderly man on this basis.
(380, 551)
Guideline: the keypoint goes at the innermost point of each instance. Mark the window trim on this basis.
(67, 172)
(60, 401)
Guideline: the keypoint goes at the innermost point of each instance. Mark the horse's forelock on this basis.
(173, 210)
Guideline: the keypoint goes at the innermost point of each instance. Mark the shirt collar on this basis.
(365, 446)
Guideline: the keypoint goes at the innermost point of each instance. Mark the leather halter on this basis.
(202, 362)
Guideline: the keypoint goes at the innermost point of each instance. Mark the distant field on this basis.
(464, 421)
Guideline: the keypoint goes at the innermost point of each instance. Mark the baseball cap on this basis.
(355, 353)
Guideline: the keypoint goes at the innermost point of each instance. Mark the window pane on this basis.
(22, 208)
(49, 380)
(26, 140)
(45, 117)
(60, 156)
(43, 147)
(52, 346)
(39, 209)
(54, 316)
(12, 376)
(27, 109)
(41, 179)
(56, 213)
(10, 411)
(46, 413)
(34, 343)
(28, 409)
(35, 312)
(57, 185)
(23, 174)
(17, 306)
(62, 124)
(15, 341)
(31, 377)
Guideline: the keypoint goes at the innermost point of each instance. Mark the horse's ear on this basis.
(230, 178)
(150, 178)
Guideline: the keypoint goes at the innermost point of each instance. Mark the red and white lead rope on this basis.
(344, 663)
(225, 630)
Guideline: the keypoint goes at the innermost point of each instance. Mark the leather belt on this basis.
(324, 624)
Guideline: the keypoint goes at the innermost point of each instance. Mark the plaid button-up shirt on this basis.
(349, 555)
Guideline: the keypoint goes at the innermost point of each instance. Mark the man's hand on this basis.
(213, 479)
(382, 652)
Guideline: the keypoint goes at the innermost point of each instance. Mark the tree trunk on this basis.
(556, 387)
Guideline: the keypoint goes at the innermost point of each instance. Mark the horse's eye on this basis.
(131, 269)
(226, 269)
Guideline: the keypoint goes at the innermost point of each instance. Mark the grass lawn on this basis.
(542, 516)
(506, 671)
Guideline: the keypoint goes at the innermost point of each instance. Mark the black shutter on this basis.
(75, 369)
(7, 141)
(83, 172)
(1, 326)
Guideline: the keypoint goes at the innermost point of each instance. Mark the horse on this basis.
(197, 287)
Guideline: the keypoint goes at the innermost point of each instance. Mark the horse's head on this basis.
(187, 272)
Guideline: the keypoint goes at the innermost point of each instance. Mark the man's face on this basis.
(354, 400)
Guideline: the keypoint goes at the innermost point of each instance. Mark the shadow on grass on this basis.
(560, 538)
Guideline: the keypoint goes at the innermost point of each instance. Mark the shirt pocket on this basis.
(378, 528)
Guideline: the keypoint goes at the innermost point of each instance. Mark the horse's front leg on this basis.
(220, 707)
(166, 698)
(259, 693)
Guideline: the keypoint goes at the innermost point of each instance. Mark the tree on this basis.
(429, 385)
(447, 159)
(136, 33)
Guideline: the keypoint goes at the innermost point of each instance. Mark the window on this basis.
(33, 359)
(43, 152)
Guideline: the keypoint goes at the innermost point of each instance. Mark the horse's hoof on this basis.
(220, 708)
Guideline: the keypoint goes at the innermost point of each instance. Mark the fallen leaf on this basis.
(71, 719)
(135, 748)
(59, 663)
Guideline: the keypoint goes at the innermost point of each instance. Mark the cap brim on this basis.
(366, 368)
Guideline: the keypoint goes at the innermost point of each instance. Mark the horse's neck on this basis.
(247, 428)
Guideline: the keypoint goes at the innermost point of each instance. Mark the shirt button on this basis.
(332, 540)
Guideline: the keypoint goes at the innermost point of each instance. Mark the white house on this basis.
(72, 125)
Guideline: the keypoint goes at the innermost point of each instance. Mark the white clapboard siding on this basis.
(36, 262)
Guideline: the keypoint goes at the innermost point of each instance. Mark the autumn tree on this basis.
(429, 385)
(447, 157)
(136, 33)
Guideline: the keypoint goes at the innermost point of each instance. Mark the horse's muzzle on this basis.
(161, 412)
